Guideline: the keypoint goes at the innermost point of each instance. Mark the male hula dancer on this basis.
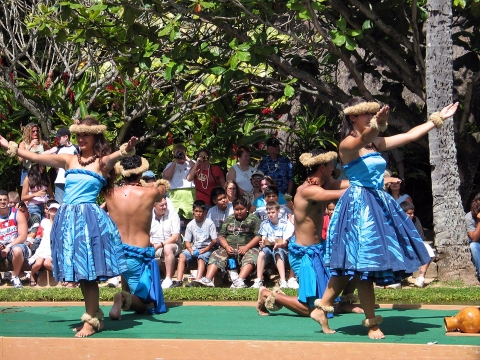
(130, 206)
(305, 248)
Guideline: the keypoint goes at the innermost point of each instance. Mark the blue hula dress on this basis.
(85, 242)
(369, 234)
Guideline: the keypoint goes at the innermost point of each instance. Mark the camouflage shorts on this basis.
(219, 258)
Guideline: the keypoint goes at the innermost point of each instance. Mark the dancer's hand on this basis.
(3, 142)
(382, 115)
(131, 143)
(449, 111)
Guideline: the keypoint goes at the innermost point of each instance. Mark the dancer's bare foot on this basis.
(344, 308)
(262, 310)
(374, 332)
(320, 316)
(116, 310)
(87, 330)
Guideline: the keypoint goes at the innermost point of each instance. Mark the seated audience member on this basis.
(37, 189)
(326, 219)
(200, 238)
(33, 222)
(409, 209)
(149, 177)
(222, 208)
(472, 219)
(205, 176)
(271, 194)
(13, 233)
(13, 199)
(275, 233)
(396, 189)
(165, 238)
(256, 181)
(231, 188)
(43, 254)
(260, 201)
(239, 246)
(242, 172)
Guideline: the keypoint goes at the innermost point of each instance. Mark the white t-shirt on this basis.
(218, 216)
(61, 171)
(242, 178)
(179, 178)
(284, 229)
(200, 234)
(165, 227)
(261, 212)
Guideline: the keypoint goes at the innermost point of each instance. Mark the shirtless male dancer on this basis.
(310, 203)
(130, 207)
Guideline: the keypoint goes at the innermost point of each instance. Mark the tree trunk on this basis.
(448, 216)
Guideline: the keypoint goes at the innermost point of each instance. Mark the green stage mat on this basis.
(232, 323)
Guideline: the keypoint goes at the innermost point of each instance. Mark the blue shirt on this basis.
(281, 170)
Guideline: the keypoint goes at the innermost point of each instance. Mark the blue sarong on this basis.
(143, 277)
(313, 276)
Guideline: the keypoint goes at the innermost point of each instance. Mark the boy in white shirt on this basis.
(271, 195)
(275, 234)
(200, 239)
(222, 208)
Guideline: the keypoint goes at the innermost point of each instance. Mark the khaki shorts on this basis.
(159, 252)
(219, 258)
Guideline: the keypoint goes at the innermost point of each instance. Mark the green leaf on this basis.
(350, 43)
(367, 24)
(129, 16)
(341, 24)
(150, 120)
(218, 70)
(339, 39)
(289, 91)
(83, 109)
(243, 56)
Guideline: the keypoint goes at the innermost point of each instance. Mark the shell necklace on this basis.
(202, 177)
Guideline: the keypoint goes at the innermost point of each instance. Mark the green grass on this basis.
(430, 295)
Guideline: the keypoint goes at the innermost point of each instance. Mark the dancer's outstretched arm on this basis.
(391, 142)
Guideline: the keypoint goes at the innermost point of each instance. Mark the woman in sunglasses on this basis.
(32, 141)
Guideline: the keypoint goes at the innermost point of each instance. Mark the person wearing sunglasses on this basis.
(32, 141)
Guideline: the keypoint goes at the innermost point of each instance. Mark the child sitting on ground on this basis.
(222, 208)
(409, 209)
(43, 254)
(275, 235)
(200, 238)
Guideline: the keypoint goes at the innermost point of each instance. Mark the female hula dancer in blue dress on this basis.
(86, 245)
(369, 235)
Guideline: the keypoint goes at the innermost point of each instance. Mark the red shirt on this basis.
(8, 227)
(326, 221)
(205, 181)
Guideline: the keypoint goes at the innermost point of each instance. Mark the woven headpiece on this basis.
(87, 129)
(308, 160)
(119, 170)
(362, 108)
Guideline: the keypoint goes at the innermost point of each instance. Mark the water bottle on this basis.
(195, 253)
(232, 263)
